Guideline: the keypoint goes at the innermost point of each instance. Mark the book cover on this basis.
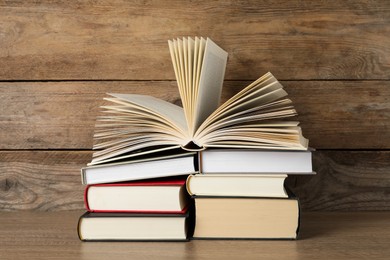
(122, 227)
(237, 185)
(255, 161)
(246, 218)
(146, 168)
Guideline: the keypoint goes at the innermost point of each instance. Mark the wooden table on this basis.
(52, 235)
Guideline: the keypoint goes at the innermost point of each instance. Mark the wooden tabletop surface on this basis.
(52, 235)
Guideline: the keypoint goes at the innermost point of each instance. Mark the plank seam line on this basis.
(170, 80)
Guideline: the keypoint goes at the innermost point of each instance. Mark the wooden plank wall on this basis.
(59, 58)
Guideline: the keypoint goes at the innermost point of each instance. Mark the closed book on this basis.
(246, 218)
(157, 167)
(241, 185)
(149, 196)
(255, 161)
(134, 227)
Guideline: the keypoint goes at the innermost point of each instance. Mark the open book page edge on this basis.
(211, 81)
(130, 147)
(244, 119)
(181, 50)
(139, 140)
(134, 155)
(201, 49)
(152, 158)
(190, 76)
(169, 111)
(175, 60)
(266, 77)
(245, 97)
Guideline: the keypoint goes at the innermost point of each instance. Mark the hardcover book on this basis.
(150, 196)
(255, 161)
(137, 124)
(246, 218)
(240, 185)
(147, 168)
(134, 227)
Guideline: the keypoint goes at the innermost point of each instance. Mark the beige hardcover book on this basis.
(133, 227)
(246, 218)
(241, 185)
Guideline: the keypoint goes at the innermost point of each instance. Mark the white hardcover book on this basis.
(255, 161)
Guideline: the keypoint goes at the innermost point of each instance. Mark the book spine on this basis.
(299, 218)
(83, 177)
(86, 198)
(78, 226)
(188, 184)
(198, 162)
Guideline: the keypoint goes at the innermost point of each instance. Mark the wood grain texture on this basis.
(128, 39)
(61, 115)
(335, 54)
(41, 180)
(52, 235)
(345, 181)
(50, 181)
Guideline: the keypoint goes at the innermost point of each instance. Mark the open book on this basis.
(138, 124)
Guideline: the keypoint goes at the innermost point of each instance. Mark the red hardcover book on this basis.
(159, 196)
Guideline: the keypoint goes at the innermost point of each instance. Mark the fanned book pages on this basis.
(138, 124)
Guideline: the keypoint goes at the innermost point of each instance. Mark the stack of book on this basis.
(123, 203)
(240, 194)
(243, 150)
